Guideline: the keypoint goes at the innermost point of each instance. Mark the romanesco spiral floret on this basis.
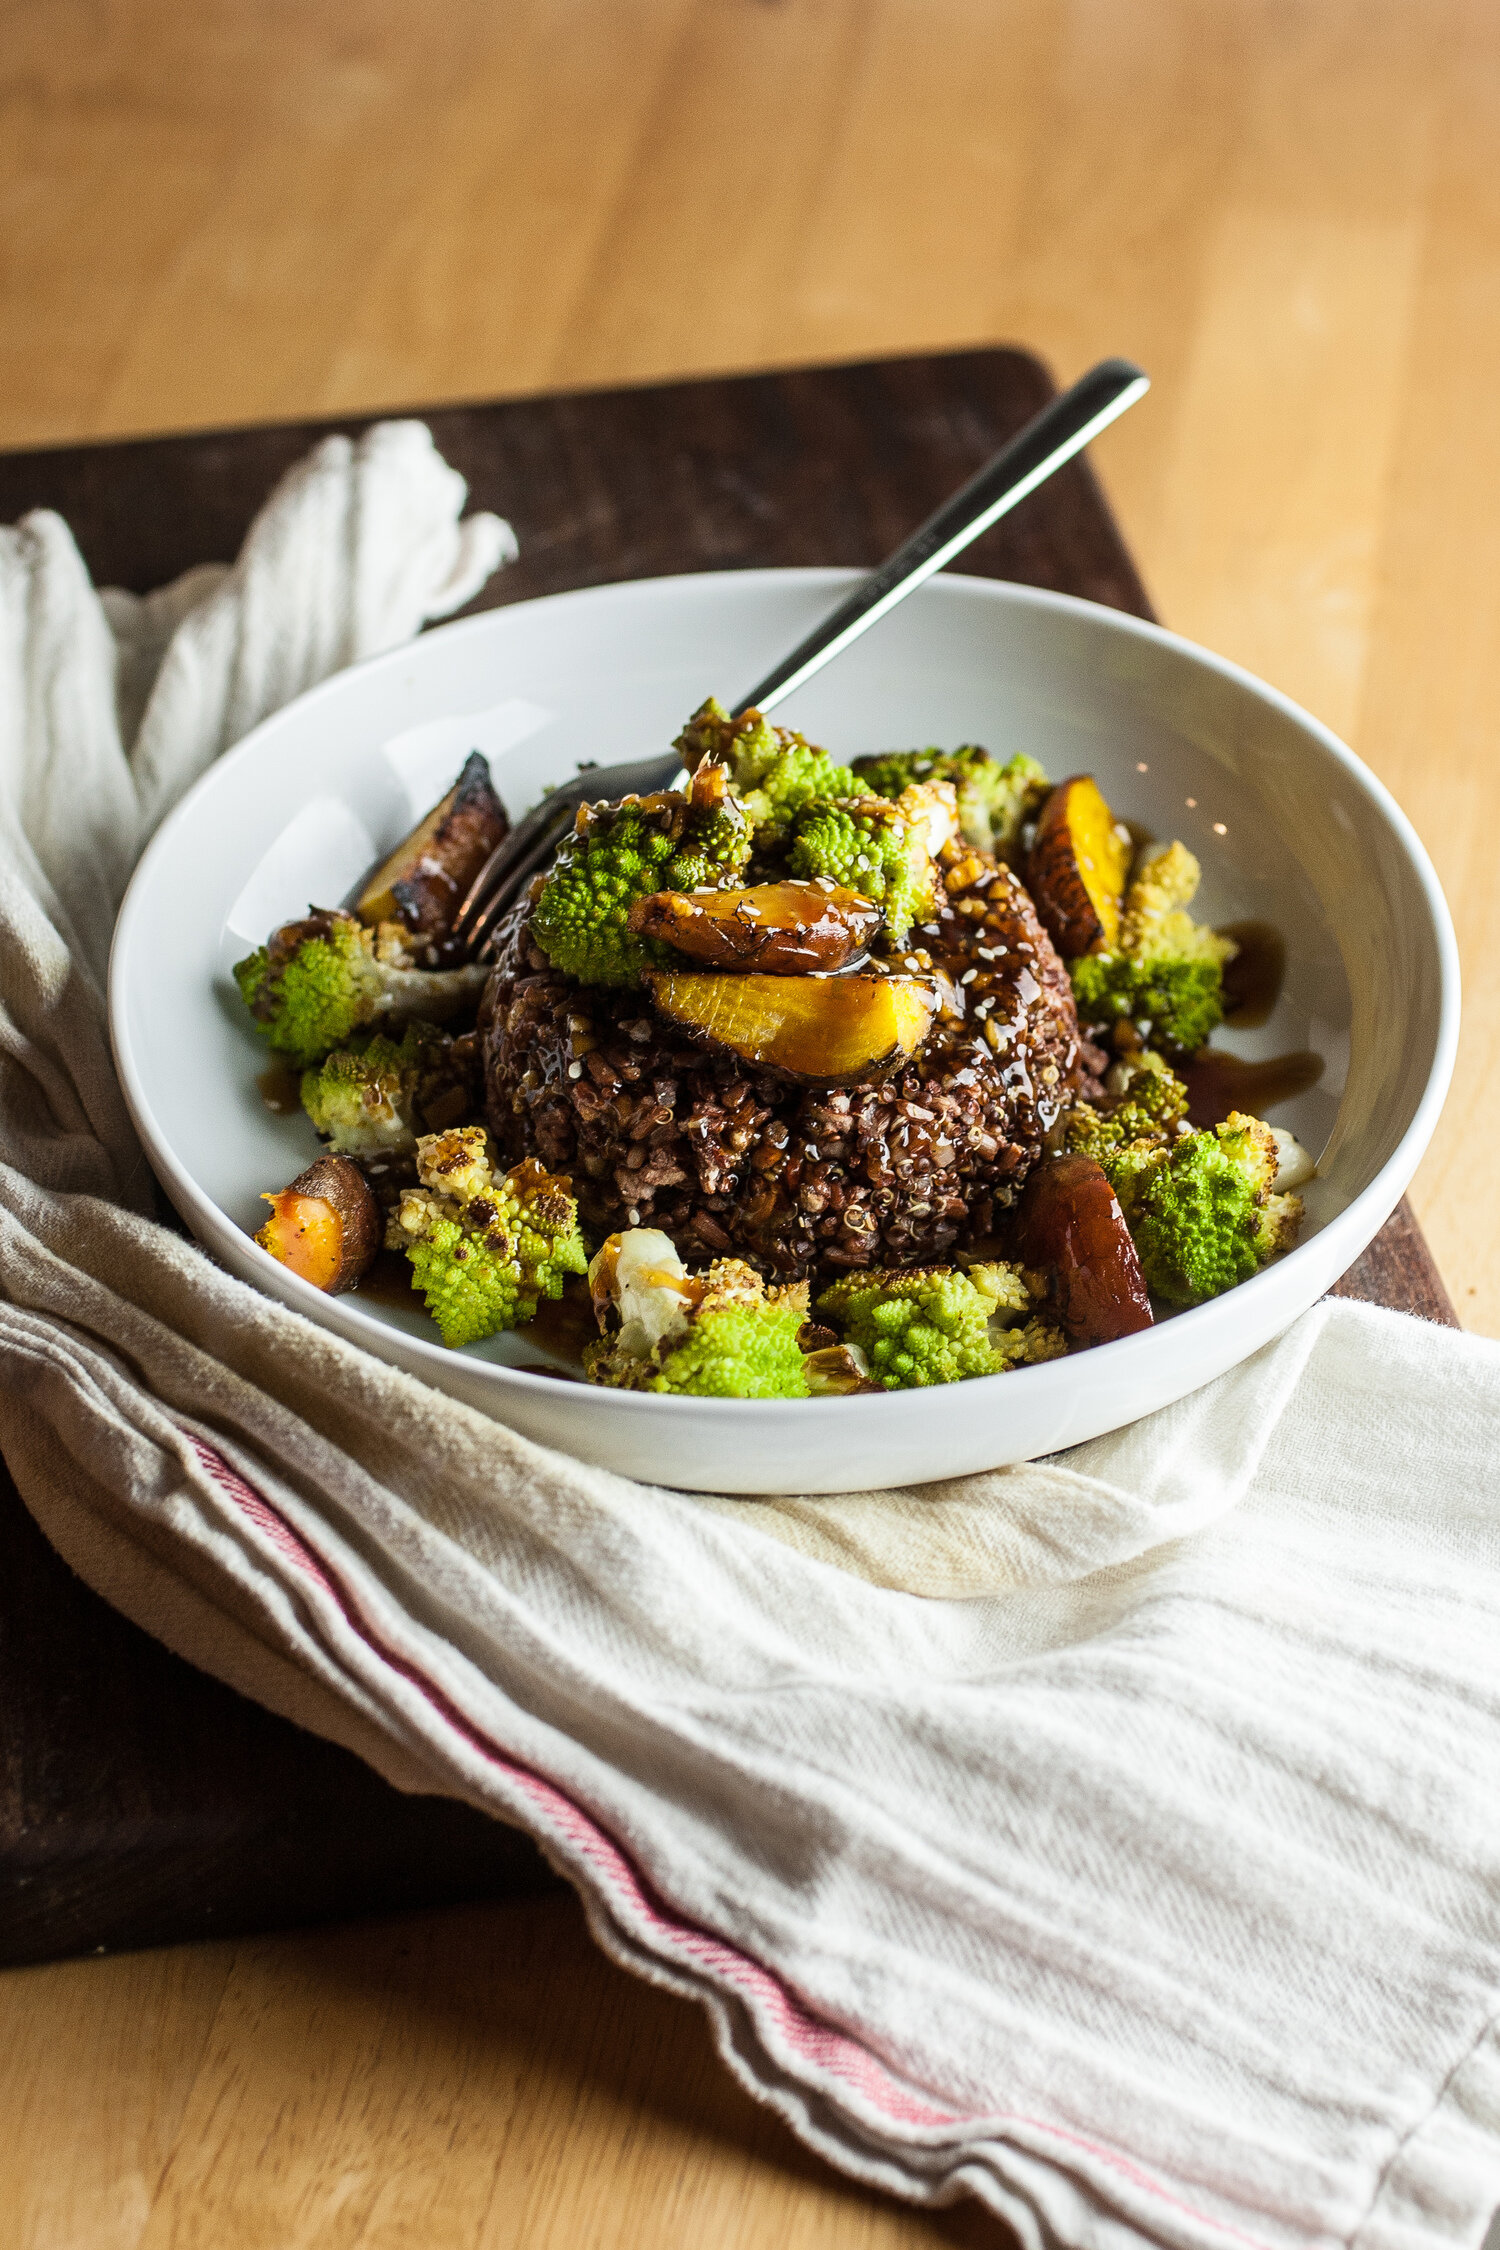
(774, 771)
(937, 1325)
(670, 841)
(1145, 1108)
(1202, 1208)
(722, 1334)
(871, 846)
(318, 981)
(1167, 973)
(994, 798)
(485, 1246)
(371, 1098)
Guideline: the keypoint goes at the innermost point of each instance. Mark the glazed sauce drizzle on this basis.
(388, 1281)
(1253, 979)
(280, 1089)
(563, 1325)
(1218, 1083)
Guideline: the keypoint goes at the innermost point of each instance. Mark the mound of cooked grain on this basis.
(658, 1131)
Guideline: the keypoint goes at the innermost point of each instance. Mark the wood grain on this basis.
(1290, 214)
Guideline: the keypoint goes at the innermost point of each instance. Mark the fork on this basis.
(1050, 438)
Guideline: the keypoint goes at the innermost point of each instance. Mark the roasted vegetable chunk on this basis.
(774, 771)
(820, 1031)
(937, 1325)
(993, 799)
(617, 854)
(882, 850)
(1072, 1234)
(1077, 867)
(485, 1246)
(318, 981)
(1145, 1102)
(422, 883)
(374, 1098)
(1166, 972)
(780, 929)
(722, 1334)
(325, 1226)
(1207, 1209)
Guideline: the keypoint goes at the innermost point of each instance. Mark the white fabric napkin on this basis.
(1113, 1839)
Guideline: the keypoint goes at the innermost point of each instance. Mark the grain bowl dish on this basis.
(800, 1080)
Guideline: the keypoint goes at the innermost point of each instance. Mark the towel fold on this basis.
(1112, 1838)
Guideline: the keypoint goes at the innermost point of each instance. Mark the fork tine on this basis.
(548, 820)
(504, 894)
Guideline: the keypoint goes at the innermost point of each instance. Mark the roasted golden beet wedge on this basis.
(779, 929)
(326, 1226)
(1071, 1230)
(1077, 868)
(819, 1031)
(423, 882)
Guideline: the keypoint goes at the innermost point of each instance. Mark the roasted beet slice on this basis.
(1071, 1230)
(426, 876)
(1077, 868)
(780, 929)
(326, 1226)
(820, 1031)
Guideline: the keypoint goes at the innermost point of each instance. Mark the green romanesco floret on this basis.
(1145, 1106)
(774, 771)
(872, 846)
(722, 1334)
(1202, 1208)
(373, 1098)
(994, 797)
(1167, 973)
(937, 1325)
(673, 840)
(485, 1246)
(317, 982)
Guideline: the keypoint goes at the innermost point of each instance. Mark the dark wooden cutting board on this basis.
(140, 1801)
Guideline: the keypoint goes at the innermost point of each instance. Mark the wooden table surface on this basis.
(1289, 214)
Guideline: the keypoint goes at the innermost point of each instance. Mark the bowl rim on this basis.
(1346, 1234)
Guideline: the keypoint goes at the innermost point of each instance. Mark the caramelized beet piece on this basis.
(1077, 868)
(821, 1031)
(781, 929)
(326, 1226)
(1071, 1230)
(423, 882)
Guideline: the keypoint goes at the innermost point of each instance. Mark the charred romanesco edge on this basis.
(935, 1324)
(671, 841)
(994, 798)
(364, 1100)
(1201, 1207)
(737, 1340)
(872, 846)
(324, 990)
(1146, 1107)
(317, 982)
(1167, 973)
(774, 771)
(485, 1246)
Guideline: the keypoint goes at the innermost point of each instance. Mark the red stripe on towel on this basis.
(816, 2042)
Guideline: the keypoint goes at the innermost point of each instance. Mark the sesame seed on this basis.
(968, 976)
(575, 1070)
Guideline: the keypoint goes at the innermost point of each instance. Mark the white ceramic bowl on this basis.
(1287, 822)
